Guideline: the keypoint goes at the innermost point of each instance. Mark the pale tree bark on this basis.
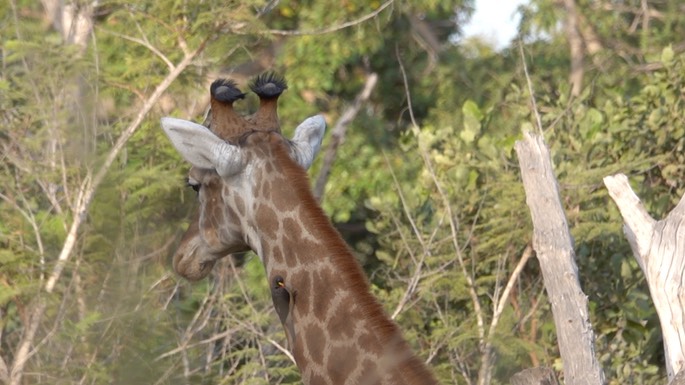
(72, 19)
(338, 134)
(554, 247)
(575, 42)
(591, 41)
(679, 379)
(4, 373)
(534, 376)
(659, 248)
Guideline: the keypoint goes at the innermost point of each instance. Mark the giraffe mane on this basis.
(350, 270)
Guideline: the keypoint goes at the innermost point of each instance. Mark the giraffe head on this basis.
(226, 156)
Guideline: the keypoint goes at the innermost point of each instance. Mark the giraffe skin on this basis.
(255, 195)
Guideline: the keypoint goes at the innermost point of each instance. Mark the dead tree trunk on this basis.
(575, 42)
(554, 247)
(534, 376)
(659, 247)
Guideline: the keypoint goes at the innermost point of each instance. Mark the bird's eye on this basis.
(192, 183)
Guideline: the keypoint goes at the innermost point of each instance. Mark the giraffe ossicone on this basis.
(254, 194)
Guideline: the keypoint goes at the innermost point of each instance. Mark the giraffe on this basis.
(254, 194)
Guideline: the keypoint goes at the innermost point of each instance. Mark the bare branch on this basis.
(639, 225)
(333, 28)
(591, 41)
(530, 89)
(338, 134)
(448, 207)
(28, 215)
(251, 326)
(145, 43)
(485, 371)
(85, 197)
(658, 248)
(183, 347)
(503, 299)
(414, 281)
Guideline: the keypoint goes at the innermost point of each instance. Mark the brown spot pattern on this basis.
(316, 341)
(341, 327)
(292, 230)
(266, 190)
(291, 258)
(284, 201)
(277, 254)
(323, 294)
(371, 343)
(266, 220)
(240, 205)
(316, 379)
(368, 375)
(341, 363)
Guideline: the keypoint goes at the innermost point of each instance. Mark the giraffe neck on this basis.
(341, 333)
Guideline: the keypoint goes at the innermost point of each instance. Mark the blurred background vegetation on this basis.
(425, 186)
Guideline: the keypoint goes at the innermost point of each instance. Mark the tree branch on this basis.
(659, 248)
(639, 225)
(485, 372)
(332, 28)
(338, 134)
(81, 206)
(145, 43)
(453, 222)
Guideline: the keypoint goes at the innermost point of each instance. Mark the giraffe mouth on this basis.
(192, 261)
(191, 267)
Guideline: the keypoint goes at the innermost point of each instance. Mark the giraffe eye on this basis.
(192, 183)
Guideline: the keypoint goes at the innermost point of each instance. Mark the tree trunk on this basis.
(679, 379)
(554, 247)
(659, 247)
(73, 20)
(534, 376)
(576, 47)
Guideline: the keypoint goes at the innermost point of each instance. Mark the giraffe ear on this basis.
(307, 140)
(199, 146)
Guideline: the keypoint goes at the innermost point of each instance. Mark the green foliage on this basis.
(433, 195)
